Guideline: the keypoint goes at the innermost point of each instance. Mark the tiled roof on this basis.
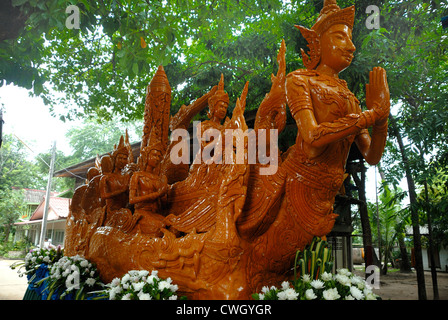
(60, 207)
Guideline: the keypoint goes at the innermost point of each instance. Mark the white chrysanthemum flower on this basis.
(84, 263)
(144, 296)
(151, 279)
(173, 297)
(127, 296)
(317, 284)
(343, 279)
(90, 281)
(261, 296)
(125, 278)
(291, 294)
(288, 294)
(349, 297)
(164, 285)
(306, 278)
(356, 280)
(265, 289)
(143, 273)
(138, 286)
(331, 294)
(356, 293)
(285, 285)
(115, 282)
(326, 276)
(344, 272)
(309, 294)
(113, 292)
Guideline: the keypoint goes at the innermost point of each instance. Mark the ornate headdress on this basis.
(124, 147)
(157, 110)
(159, 82)
(330, 15)
(220, 94)
(146, 151)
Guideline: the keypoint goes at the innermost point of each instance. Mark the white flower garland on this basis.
(141, 285)
(343, 285)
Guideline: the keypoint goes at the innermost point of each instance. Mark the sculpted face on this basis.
(154, 158)
(121, 161)
(220, 110)
(337, 48)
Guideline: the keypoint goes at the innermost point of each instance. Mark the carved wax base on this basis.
(200, 264)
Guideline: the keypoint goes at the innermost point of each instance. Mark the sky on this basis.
(30, 121)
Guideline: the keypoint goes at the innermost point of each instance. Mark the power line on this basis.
(43, 160)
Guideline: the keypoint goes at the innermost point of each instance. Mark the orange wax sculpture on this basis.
(224, 230)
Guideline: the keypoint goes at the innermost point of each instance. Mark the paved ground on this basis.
(12, 287)
(403, 286)
(393, 286)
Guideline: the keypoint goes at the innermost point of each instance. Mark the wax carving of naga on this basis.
(224, 226)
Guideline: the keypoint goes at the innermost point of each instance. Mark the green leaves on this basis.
(314, 260)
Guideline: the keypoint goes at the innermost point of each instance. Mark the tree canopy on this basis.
(100, 71)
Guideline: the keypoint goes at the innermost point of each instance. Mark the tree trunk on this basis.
(6, 228)
(432, 249)
(405, 265)
(414, 213)
(369, 254)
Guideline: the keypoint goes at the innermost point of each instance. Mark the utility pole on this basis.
(47, 198)
(1, 127)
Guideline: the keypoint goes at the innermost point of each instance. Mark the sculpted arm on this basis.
(134, 194)
(111, 186)
(378, 101)
(318, 136)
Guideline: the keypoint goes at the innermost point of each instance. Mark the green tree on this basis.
(412, 45)
(12, 205)
(91, 138)
(392, 219)
(15, 168)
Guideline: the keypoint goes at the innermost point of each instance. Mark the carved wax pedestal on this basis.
(223, 229)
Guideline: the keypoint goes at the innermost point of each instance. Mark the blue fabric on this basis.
(41, 273)
(34, 291)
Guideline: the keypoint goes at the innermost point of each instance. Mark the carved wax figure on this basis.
(145, 190)
(218, 104)
(114, 184)
(329, 117)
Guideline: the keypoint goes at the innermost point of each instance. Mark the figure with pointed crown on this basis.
(218, 104)
(328, 115)
(145, 190)
(329, 119)
(114, 186)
